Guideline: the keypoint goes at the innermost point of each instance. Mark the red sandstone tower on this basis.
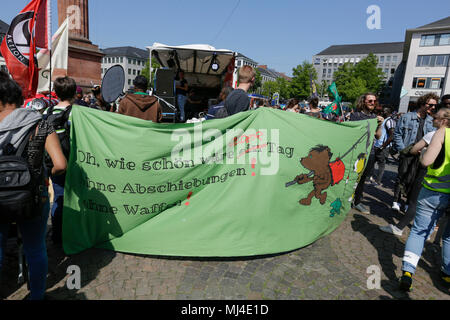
(85, 58)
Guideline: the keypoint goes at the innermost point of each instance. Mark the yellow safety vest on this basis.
(439, 179)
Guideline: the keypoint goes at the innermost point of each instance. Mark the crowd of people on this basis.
(420, 137)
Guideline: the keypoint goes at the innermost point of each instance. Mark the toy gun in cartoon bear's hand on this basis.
(296, 180)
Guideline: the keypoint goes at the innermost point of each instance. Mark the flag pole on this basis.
(49, 39)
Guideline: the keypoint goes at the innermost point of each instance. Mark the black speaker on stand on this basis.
(165, 82)
(165, 91)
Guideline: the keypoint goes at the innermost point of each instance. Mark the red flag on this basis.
(19, 45)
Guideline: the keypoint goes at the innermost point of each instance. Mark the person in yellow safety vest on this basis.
(433, 201)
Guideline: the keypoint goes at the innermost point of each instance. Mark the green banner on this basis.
(259, 182)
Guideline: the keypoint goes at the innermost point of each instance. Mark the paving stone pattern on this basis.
(333, 268)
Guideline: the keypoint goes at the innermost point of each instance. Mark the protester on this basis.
(139, 104)
(314, 110)
(65, 89)
(15, 124)
(381, 145)
(440, 120)
(365, 107)
(193, 105)
(181, 90)
(222, 97)
(79, 98)
(99, 103)
(238, 100)
(445, 101)
(410, 129)
(292, 106)
(433, 200)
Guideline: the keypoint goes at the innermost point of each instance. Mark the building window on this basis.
(129, 61)
(435, 40)
(388, 58)
(129, 71)
(435, 83)
(394, 59)
(129, 81)
(134, 72)
(420, 83)
(317, 61)
(440, 60)
(428, 83)
(444, 39)
(382, 59)
(427, 40)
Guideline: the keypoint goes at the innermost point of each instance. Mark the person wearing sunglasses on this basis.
(432, 203)
(410, 129)
(441, 119)
(365, 109)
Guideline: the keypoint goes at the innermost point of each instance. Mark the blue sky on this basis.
(280, 34)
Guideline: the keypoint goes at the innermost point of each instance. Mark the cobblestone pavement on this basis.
(334, 267)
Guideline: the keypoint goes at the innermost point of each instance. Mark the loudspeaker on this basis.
(167, 112)
(164, 85)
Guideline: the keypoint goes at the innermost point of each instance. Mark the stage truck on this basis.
(206, 69)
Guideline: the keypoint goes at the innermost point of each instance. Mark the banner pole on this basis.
(49, 40)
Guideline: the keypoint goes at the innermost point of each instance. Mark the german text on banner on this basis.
(258, 182)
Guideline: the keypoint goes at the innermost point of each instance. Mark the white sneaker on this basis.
(391, 229)
(396, 206)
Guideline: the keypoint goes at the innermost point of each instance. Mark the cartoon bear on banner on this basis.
(323, 173)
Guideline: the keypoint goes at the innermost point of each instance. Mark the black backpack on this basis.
(59, 121)
(19, 188)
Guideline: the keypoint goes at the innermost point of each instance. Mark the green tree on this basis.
(146, 71)
(322, 88)
(355, 80)
(269, 88)
(283, 88)
(367, 70)
(300, 84)
(353, 88)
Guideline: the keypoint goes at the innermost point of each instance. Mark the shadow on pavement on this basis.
(385, 252)
(388, 246)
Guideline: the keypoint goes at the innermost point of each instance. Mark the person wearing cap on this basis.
(79, 98)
